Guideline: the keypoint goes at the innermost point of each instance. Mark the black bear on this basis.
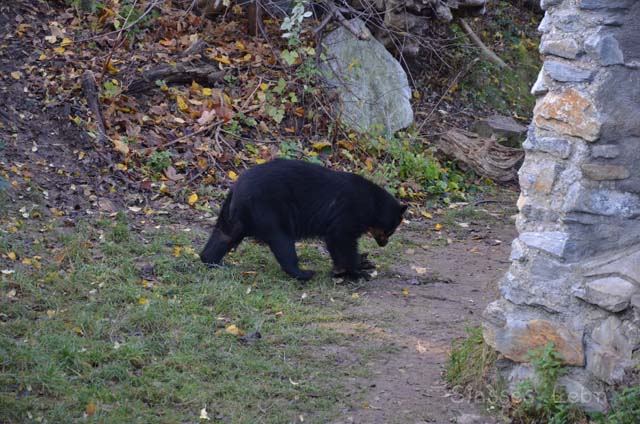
(282, 201)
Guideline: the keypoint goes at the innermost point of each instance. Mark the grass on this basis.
(470, 361)
(100, 323)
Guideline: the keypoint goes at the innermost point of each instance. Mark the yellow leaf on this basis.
(78, 330)
(426, 214)
(111, 69)
(59, 50)
(247, 57)
(438, 227)
(264, 86)
(355, 295)
(65, 42)
(143, 301)
(90, 409)
(195, 86)
(240, 45)
(207, 91)
(223, 59)
(12, 255)
(121, 166)
(16, 75)
(51, 313)
(177, 251)
(182, 105)
(27, 261)
(405, 292)
(233, 175)
(42, 57)
(369, 164)
(260, 161)
(232, 329)
(51, 39)
(321, 145)
(193, 199)
(279, 314)
(121, 147)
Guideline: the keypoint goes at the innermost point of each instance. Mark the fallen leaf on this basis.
(121, 147)
(143, 301)
(90, 409)
(355, 295)
(12, 256)
(204, 415)
(192, 199)
(182, 105)
(405, 292)
(16, 75)
(233, 175)
(232, 329)
(420, 348)
(438, 227)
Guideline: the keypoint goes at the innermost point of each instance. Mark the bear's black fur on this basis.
(282, 201)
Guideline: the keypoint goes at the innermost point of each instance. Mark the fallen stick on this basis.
(90, 90)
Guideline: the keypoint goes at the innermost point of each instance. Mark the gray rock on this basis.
(602, 202)
(605, 4)
(372, 85)
(625, 264)
(545, 4)
(541, 86)
(607, 151)
(610, 293)
(470, 419)
(555, 146)
(604, 172)
(611, 351)
(552, 242)
(567, 48)
(565, 72)
(501, 127)
(605, 48)
(586, 392)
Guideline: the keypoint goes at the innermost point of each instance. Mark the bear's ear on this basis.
(403, 208)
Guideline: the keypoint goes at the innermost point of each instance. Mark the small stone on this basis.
(558, 147)
(552, 242)
(518, 252)
(501, 127)
(545, 4)
(607, 151)
(605, 4)
(564, 72)
(604, 172)
(541, 85)
(610, 293)
(605, 49)
(569, 113)
(567, 48)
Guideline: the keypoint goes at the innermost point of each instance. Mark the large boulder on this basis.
(373, 89)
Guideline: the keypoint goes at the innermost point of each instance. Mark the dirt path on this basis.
(460, 279)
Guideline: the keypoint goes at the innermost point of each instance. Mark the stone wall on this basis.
(575, 267)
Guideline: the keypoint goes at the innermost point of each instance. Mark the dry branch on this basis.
(484, 50)
(485, 156)
(203, 74)
(90, 91)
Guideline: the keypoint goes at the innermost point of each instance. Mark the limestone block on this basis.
(604, 172)
(611, 351)
(607, 151)
(584, 391)
(566, 48)
(610, 293)
(555, 146)
(566, 72)
(500, 126)
(552, 242)
(601, 202)
(605, 4)
(545, 4)
(569, 113)
(604, 48)
(541, 86)
(625, 264)
(518, 337)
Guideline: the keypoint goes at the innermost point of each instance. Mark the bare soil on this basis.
(416, 318)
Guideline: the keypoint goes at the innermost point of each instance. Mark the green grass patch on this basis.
(122, 326)
(470, 361)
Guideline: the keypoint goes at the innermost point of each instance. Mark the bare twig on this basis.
(484, 50)
(91, 93)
